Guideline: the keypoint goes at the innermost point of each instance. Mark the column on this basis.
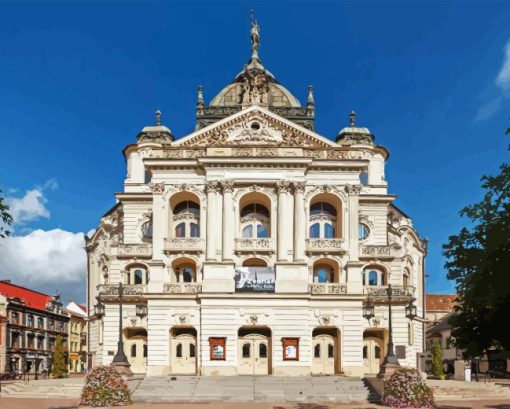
(284, 227)
(211, 188)
(353, 192)
(228, 220)
(299, 221)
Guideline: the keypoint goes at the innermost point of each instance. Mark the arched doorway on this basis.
(135, 348)
(325, 351)
(373, 351)
(183, 350)
(254, 351)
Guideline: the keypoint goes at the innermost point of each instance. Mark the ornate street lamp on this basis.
(120, 361)
(390, 362)
(368, 311)
(411, 311)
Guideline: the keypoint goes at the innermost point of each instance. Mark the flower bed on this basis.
(406, 389)
(105, 387)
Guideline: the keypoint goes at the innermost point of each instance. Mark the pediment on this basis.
(254, 126)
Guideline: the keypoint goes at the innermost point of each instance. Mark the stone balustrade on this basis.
(328, 288)
(325, 246)
(182, 288)
(135, 250)
(261, 244)
(376, 251)
(182, 244)
(128, 289)
(397, 291)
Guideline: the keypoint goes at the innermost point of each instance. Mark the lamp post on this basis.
(120, 361)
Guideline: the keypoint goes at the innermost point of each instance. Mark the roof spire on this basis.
(158, 118)
(352, 119)
(254, 36)
(311, 101)
(200, 100)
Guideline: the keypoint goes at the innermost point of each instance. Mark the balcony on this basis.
(182, 245)
(183, 288)
(325, 246)
(255, 245)
(135, 250)
(328, 288)
(398, 292)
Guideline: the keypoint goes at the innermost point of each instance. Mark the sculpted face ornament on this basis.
(254, 319)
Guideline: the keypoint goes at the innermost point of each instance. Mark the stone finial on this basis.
(311, 101)
(352, 119)
(254, 36)
(200, 100)
(158, 118)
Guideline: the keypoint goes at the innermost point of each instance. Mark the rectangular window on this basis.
(14, 317)
(40, 343)
(30, 320)
(30, 341)
(290, 349)
(217, 349)
(15, 340)
(40, 322)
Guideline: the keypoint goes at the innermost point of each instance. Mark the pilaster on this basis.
(228, 221)
(299, 222)
(285, 216)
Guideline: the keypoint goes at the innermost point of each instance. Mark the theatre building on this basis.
(255, 242)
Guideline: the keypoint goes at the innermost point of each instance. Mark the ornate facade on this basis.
(255, 242)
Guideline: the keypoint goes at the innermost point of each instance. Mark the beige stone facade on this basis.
(77, 337)
(255, 242)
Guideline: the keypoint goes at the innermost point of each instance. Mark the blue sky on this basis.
(79, 80)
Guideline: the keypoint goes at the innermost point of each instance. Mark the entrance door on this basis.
(136, 350)
(372, 355)
(324, 354)
(253, 355)
(184, 353)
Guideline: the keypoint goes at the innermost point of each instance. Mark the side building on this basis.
(33, 322)
(77, 337)
(255, 244)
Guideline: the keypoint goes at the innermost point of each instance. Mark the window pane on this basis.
(315, 231)
(365, 352)
(372, 278)
(194, 230)
(246, 350)
(192, 352)
(322, 275)
(328, 209)
(178, 351)
(331, 351)
(138, 277)
(377, 351)
(133, 351)
(317, 351)
(363, 231)
(180, 230)
(315, 209)
(248, 209)
(248, 232)
(329, 231)
(145, 350)
(261, 231)
(187, 274)
(262, 351)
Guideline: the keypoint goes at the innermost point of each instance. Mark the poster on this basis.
(255, 279)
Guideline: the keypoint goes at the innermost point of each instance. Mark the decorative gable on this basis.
(255, 126)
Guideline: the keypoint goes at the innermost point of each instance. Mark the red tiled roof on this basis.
(32, 298)
(440, 302)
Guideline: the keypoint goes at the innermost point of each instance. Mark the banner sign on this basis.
(255, 279)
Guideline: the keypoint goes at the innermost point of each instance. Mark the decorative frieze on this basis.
(325, 245)
(328, 288)
(375, 251)
(249, 245)
(128, 289)
(182, 288)
(353, 189)
(157, 188)
(182, 244)
(184, 153)
(134, 250)
(397, 291)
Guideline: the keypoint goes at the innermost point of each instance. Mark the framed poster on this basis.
(255, 280)
(217, 349)
(290, 349)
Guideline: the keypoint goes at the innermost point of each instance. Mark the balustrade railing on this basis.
(183, 244)
(328, 288)
(182, 288)
(112, 289)
(261, 244)
(396, 291)
(325, 245)
(134, 250)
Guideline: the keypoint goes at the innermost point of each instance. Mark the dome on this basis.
(353, 134)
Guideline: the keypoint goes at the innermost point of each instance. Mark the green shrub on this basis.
(437, 361)
(105, 387)
(406, 389)
(59, 368)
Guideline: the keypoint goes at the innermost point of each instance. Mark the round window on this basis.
(363, 231)
(255, 126)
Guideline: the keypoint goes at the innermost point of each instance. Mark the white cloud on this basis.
(503, 78)
(489, 109)
(54, 258)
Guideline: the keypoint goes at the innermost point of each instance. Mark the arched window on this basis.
(186, 219)
(373, 276)
(323, 219)
(255, 221)
(184, 270)
(363, 231)
(406, 279)
(187, 274)
(136, 275)
(246, 350)
(325, 271)
(145, 350)
(133, 351)
(317, 351)
(262, 351)
(147, 230)
(192, 350)
(178, 351)
(331, 351)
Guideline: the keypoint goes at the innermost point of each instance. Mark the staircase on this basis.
(251, 389)
(68, 388)
(460, 390)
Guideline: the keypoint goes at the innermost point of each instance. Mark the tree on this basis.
(437, 360)
(5, 218)
(59, 369)
(477, 260)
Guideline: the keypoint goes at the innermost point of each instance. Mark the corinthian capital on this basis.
(353, 189)
(157, 188)
(299, 187)
(227, 186)
(283, 186)
(212, 187)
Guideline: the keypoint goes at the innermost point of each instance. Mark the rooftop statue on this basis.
(254, 36)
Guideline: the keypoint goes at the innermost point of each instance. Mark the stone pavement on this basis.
(251, 389)
(8, 403)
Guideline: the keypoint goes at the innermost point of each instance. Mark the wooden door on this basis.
(136, 351)
(184, 353)
(323, 355)
(372, 355)
(253, 356)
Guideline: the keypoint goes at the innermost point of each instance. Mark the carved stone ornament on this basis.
(254, 319)
(326, 320)
(227, 186)
(299, 187)
(353, 189)
(157, 188)
(182, 319)
(256, 131)
(212, 187)
(283, 186)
